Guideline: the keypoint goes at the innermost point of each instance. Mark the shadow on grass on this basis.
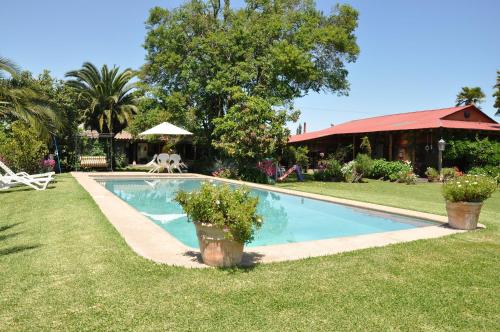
(248, 262)
(6, 227)
(8, 236)
(16, 249)
(22, 189)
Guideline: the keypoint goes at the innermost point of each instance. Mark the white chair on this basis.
(36, 181)
(176, 163)
(153, 165)
(164, 161)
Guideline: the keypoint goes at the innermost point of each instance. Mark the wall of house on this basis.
(469, 114)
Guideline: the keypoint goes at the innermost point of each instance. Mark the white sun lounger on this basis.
(36, 181)
(176, 163)
(154, 165)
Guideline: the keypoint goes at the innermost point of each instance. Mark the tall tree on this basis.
(299, 129)
(106, 96)
(270, 51)
(20, 101)
(470, 96)
(496, 94)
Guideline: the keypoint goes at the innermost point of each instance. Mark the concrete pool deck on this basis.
(152, 242)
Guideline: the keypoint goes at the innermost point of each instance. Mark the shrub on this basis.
(252, 174)
(121, 160)
(491, 171)
(365, 146)
(432, 174)
(448, 173)
(48, 165)
(354, 170)
(232, 210)
(469, 188)
(363, 165)
(349, 172)
(22, 148)
(467, 153)
(230, 170)
(225, 169)
(407, 177)
(329, 170)
(387, 170)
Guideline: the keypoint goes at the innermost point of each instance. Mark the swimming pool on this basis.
(287, 218)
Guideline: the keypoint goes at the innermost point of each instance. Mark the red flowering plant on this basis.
(267, 167)
(48, 165)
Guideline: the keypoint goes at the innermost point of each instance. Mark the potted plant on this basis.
(225, 219)
(464, 198)
(432, 174)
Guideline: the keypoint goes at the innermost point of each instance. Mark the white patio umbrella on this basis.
(165, 128)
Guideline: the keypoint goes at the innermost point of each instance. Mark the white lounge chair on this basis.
(36, 181)
(176, 163)
(154, 165)
(164, 161)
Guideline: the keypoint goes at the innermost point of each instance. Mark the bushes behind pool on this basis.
(491, 171)
(388, 170)
(329, 170)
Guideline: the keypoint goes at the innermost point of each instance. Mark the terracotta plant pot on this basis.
(463, 215)
(215, 249)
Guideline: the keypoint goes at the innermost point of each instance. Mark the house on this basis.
(406, 136)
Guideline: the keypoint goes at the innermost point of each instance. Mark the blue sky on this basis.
(415, 55)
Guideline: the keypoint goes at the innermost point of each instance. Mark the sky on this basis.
(415, 55)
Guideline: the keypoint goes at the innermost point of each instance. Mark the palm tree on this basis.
(106, 95)
(8, 66)
(470, 96)
(23, 103)
(496, 94)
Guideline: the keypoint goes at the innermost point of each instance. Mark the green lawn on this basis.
(64, 267)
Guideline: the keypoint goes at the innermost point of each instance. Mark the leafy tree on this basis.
(106, 95)
(496, 94)
(252, 130)
(22, 148)
(272, 51)
(19, 101)
(64, 101)
(470, 96)
(161, 108)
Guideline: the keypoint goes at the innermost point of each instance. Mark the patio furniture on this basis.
(36, 181)
(164, 161)
(154, 165)
(176, 163)
(93, 162)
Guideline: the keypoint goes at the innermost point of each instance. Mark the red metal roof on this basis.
(403, 121)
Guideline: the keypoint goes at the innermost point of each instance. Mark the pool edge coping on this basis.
(154, 243)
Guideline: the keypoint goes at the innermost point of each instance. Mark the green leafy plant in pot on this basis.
(464, 198)
(225, 220)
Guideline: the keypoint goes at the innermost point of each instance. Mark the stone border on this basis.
(152, 242)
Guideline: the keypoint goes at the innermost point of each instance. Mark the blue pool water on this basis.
(287, 218)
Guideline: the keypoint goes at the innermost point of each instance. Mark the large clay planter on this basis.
(463, 215)
(215, 249)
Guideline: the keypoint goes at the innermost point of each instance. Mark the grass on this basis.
(64, 267)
